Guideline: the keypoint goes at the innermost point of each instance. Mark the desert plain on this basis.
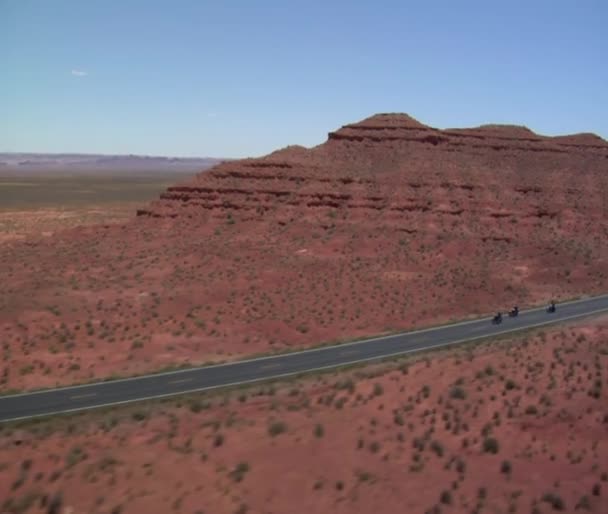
(387, 226)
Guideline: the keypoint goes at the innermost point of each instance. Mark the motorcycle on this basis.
(513, 313)
(497, 320)
(551, 308)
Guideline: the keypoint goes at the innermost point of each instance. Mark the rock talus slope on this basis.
(389, 224)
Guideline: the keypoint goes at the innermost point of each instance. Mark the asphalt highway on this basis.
(101, 394)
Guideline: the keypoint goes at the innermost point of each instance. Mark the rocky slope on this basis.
(399, 167)
(390, 224)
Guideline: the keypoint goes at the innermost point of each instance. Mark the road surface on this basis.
(75, 398)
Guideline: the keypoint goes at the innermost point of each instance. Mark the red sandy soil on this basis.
(389, 438)
(388, 225)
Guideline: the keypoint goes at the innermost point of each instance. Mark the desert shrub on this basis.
(243, 509)
(340, 402)
(55, 504)
(446, 497)
(490, 445)
(531, 409)
(583, 503)
(139, 415)
(378, 389)
(239, 471)
(18, 483)
(554, 500)
(437, 447)
(27, 369)
(418, 443)
(196, 406)
(347, 384)
(364, 476)
(461, 466)
(458, 393)
(276, 428)
(596, 490)
(75, 456)
(505, 467)
(319, 430)
(218, 440)
(302, 328)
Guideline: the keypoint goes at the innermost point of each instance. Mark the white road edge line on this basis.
(274, 377)
(320, 349)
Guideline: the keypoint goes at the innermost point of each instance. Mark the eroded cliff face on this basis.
(500, 181)
(388, 225)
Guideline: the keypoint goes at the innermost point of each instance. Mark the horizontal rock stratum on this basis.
(388, 225)
(394, 164)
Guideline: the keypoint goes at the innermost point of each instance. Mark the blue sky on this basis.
(243, 78)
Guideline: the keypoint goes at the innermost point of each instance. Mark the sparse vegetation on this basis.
(446, 497)
(387, 418)
(276, 428)
(490, 445)
(319, 430)
(437, 448)
(239, 471)
(458, 392)
(554, 500)
(75, 455)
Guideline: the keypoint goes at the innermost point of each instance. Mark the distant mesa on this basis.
(24, 162)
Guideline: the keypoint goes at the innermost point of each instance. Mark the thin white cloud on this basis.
(212, 114)
(79, 73)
